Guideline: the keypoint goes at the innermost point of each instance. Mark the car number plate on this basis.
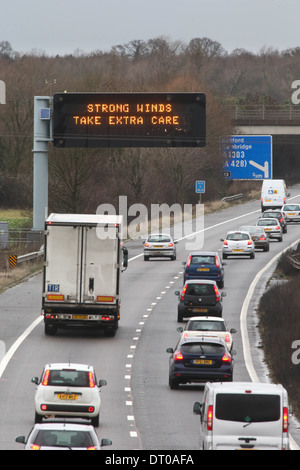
(202, 361)
(80, 317)
(67, 396)
(237, 251)
(291, 213)
(203, 269)
(202, 310)
(268, 229)
(158, 246)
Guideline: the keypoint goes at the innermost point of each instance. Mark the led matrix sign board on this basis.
(129, 119)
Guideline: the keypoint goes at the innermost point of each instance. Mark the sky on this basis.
(66, 26)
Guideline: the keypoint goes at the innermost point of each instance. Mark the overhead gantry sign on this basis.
(129, 120)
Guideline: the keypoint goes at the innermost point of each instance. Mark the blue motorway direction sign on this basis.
(247, 157)
(200, 187)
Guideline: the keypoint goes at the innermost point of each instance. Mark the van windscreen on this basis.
(247, 408)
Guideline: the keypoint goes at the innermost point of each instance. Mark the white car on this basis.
(62, 436)
(159, 245)
(272, 227)
(291, 212)
(238, 243)
(68, 390)
(210, 327)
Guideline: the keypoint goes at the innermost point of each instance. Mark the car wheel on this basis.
(95, 421)
(179, 318)
(146, 258)
(38, 418)
(252, 256)
(280, 239)
(173, 384)
(266, 248)
(224, 256)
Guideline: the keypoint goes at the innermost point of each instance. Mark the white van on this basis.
(273, 194)
(242, 415)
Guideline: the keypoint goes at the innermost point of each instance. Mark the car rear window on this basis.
(159, 239)
(70, 378)
(247, 408)
(47, 438)
(203, 325)
(275, 215)
(237, 236)
(267, 222)
(202, 348)
(200, 289)
(203, 260)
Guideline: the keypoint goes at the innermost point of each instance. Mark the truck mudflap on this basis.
(103, 321)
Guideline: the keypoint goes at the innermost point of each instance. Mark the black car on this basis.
(199, 297)
(276, 214)
(200, 360)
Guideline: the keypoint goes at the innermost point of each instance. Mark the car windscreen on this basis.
(159, 239)
(200, 259)
(202, 348)
(70, 378)
(69, 439)
(206, 325)
(237, 236)
(247, 408)
(291, 208)
(200, 289)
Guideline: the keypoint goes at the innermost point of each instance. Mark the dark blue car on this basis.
(204, 265)
(200, 360)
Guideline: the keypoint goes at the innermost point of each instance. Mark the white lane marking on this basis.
(16, 344)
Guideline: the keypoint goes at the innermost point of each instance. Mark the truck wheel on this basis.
(50, 330)
(110, 332)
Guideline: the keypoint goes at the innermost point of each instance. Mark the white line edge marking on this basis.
(244, 329)
(17, 343)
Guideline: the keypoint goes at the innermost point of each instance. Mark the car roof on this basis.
(200, 281)
(238, 231)
(64, 426)
(203, 253)
(241, 387)
(159, 233)
(68, 366)
(216, 319)
(273, 210)
(203, 339)
(266, 218)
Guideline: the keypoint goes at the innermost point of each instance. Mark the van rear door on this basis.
(248, 421)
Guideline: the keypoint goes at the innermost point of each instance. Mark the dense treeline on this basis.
(80, 180)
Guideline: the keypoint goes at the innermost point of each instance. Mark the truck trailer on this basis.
(84, 258)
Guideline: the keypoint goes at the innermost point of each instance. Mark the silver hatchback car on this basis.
(159, 245)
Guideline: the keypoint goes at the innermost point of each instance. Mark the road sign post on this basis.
(2, 92)
(41, 139)
(247, 157)
(200, 188)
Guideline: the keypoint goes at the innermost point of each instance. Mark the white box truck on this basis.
(83, 261)
(244, 416)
